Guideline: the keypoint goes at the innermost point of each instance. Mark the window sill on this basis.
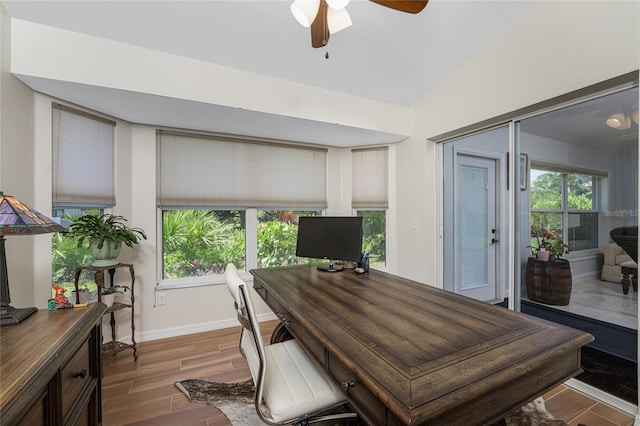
(181, 283)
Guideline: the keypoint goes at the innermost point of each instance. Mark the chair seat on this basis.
(294, 385)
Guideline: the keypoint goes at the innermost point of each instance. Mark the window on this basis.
(227, 199)
(370, 200)
(82, 164)
(199, 243)
(564, 203)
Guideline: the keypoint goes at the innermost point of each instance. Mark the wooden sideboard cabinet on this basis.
(50, 368)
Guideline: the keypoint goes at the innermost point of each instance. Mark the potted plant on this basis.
(109, 293)
(548, 278)
(551, 242)
(106, 234)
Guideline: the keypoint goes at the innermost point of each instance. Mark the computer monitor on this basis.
(330, 237)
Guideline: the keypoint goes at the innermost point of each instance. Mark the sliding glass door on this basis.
(535, 234)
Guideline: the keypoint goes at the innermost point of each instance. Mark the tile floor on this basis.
(603, 300)
(576, 408)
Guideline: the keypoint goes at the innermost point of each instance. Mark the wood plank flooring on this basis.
(143, 392)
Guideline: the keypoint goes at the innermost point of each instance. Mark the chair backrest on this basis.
(627, 238)
(251, 342)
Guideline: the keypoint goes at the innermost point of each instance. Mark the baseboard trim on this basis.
(604, 397)
(191, 329)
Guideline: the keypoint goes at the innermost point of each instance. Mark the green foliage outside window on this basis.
(202, 242)
(374, 237)
(278, 236)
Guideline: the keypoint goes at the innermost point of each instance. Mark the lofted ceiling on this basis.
(386, 56)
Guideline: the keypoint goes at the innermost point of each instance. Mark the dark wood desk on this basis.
(408, 353)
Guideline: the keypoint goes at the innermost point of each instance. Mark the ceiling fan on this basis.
(326, 17)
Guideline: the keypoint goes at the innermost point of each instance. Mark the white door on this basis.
(475, 231)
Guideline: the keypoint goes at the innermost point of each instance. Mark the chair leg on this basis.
(625, 282)
(629, 279)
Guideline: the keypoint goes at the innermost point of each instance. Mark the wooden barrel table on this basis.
(549, 282)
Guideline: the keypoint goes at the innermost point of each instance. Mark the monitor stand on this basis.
(330, 267)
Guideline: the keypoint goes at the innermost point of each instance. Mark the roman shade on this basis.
(370, 178)
(82, 158)
(213, 171)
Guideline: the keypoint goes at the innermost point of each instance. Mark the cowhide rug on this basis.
(235, 400)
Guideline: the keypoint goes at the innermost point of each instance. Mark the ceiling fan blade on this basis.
(409, 6)
(320, 26)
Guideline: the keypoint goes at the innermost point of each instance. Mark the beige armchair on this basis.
(614, 257)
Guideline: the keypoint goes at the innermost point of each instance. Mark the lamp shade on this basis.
(17, 218)
(305, 11)
(337, 20)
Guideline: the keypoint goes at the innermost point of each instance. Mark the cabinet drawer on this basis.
(74, 377)
(368, 406)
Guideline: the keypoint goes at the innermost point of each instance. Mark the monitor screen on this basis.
(330, 237)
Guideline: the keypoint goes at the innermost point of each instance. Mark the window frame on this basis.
(564, 210)
(251, 247)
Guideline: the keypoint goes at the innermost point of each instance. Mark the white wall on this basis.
(16, 151)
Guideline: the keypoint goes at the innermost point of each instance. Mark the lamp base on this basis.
(12, 316)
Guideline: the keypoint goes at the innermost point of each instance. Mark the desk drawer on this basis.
(74, 377)
(368, 406)
(299, 332)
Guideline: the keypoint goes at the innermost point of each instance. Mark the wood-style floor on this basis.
(143, 392)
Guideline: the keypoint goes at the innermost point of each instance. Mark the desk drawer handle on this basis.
(283, 319)
(82, 374)
(346, 385)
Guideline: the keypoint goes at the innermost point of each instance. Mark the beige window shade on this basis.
(82, 158)
(370, 178)
(197, 171)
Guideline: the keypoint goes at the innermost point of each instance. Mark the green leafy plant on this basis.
(551, 241)
(105, 227)
(115, 289)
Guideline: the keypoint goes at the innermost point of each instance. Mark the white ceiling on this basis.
(385, 55)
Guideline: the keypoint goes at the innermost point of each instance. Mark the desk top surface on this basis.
(414, 343)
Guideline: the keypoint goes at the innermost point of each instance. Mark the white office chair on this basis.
(290, 388)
